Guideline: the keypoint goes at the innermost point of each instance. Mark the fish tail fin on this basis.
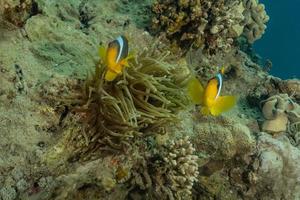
(195, 91)
(223, 104)
(110, 75)
(102, 52)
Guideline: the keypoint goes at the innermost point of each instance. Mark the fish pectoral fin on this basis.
(195, 91)
(125, 61)
(110, 75)
(205, 111)
(223, 104)
(102, 52)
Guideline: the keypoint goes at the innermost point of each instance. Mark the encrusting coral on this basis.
(210, 25)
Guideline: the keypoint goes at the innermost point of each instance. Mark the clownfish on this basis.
(209, 97)
(115, 57)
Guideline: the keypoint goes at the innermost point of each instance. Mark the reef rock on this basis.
(278, 173)
(221, 140)
(278, 110)
(291, 87)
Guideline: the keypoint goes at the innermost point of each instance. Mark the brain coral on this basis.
(209, 25)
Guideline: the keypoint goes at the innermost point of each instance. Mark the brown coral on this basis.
(278, 110)
(170, 173)
(17, 12)
(210, 25)
(255, 20)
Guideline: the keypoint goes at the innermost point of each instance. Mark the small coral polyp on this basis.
(142, 101)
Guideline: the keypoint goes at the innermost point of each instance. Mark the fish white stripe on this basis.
(121, 43)
(220, 81)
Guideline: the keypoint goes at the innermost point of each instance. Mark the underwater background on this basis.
(149, 100)
(281, 43)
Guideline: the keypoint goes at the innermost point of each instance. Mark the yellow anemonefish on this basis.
(115, 57)
(209, 97)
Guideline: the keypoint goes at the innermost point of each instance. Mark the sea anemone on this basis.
(140, 102)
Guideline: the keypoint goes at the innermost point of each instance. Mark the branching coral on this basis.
(209, 25)
(170, 173)
(183, 167)
(142, 101)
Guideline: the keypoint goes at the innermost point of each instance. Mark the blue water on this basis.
(281, 42)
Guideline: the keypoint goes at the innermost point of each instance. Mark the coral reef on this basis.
(210, 25)
(276, 170)
(291, 87)
(183, 170)
(67, 134)
(255, 20)
(221, 140)
(278, 110)
(168, 174)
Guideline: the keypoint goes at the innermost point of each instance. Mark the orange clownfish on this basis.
(115, 57)
(209, 97)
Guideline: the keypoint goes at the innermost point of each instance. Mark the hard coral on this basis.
(210, 25)
(183, 167)
(204, 24)
(278, 110)
(278, 170)
(169, 174)
(223, 138)
(291, 87)
(255, 19)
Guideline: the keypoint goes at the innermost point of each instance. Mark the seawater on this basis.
(281, 41)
